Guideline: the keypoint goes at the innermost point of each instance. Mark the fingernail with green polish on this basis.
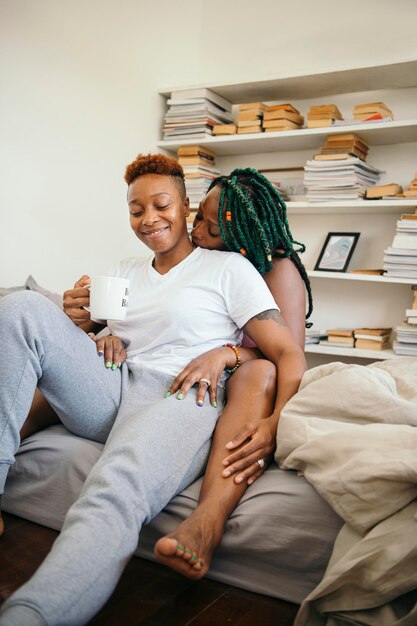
(215, 404)
(187, 551)
(114, 367)
(194, 557)
(180, 547)
(119, 365)
(180, 396)
(168, 393)
(108, 364)
(201, 563)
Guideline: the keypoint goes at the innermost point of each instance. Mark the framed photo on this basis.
(337, 252)
(288, 180)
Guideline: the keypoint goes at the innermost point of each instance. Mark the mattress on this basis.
(277, 541)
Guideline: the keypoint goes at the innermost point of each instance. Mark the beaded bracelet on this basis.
(230, 370)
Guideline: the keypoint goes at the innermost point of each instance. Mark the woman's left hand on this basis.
(112, 349)
(256, 444)
(206, 367)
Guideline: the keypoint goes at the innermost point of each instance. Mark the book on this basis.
(332, 157)
(195, 150)
(340, 332)
(370, 272)
(224, 129)
(375, 332)
(286, 115)
(202, 92)
(336, 344)
(249, 129)
(345, 137)
(411, 312)
(347, 143)
(378, 191)
(359, 108)
(346, 341)
(244, 123)
(280, 124)
(352, 150)
(380, 339)
(325, 109)
(245, 106)
(409, 216)
(376, 111)
(406, 242)
(320, 123)
(369, 117)
(366, 344)
(320, 116)
(195, 160)
(250, 114)
(282, 107)
(410, 193)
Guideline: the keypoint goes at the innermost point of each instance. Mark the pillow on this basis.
(32, 285)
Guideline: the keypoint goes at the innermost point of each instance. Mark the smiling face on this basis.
(206, 233)
(157, 216)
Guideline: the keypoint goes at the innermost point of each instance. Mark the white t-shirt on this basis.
(200, 304)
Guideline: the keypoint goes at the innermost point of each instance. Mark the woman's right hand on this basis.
(76, 299)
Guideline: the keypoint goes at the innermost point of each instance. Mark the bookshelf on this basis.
(341, 299)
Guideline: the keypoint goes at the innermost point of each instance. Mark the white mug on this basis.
(108, 297)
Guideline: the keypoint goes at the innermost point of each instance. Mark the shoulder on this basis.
(131, 264)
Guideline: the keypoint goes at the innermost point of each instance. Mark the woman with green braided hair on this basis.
(244, 213)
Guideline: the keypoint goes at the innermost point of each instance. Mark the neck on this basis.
(163, 262)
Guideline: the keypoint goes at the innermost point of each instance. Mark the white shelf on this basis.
(362, 207)
(375, 133)
(361, 277)
(374, 355)
(283, 87)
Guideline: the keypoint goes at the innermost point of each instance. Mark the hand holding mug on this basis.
(76, 300)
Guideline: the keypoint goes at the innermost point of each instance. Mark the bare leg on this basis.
(189, 549)
(40, 416)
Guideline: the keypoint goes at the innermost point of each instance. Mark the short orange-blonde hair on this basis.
(156, 164)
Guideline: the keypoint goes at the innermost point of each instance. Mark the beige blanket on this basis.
(350, 430)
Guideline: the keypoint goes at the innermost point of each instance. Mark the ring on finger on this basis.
(261, 463)
(205, 380)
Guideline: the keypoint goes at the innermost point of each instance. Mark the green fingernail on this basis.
(187, 551)
(194, 557)
(180, 396)
(119, 365)
(168, 393)
(201, 563)
(215, 404)
(180, 547)
(114, 367)
(108, 364)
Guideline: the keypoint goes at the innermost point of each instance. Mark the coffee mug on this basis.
(109, 297)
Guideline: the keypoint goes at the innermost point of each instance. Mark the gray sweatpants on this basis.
(157, 446)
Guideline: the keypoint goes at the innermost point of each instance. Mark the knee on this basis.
(21, 303)
(259, 372)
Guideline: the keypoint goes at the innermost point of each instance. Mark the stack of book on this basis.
(192, 114)
(411, 192)
(198, 164)
(371, 111)
(389, 190)
(314, 336)
(341, 146)
(339, 338)
(249, 119)
(400, 260)
(406, 342)
(338, 179)
(278, 117)
(322, 115)
(372, 338)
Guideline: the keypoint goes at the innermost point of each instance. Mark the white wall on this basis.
(78, 101)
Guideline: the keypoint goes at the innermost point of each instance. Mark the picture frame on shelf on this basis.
(289, 182)
(336, 252)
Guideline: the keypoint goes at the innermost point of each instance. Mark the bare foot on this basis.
(190, 548)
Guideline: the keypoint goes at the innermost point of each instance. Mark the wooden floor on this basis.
(148, 594)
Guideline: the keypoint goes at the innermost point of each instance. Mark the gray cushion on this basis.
(277, 541)
(34, 286)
